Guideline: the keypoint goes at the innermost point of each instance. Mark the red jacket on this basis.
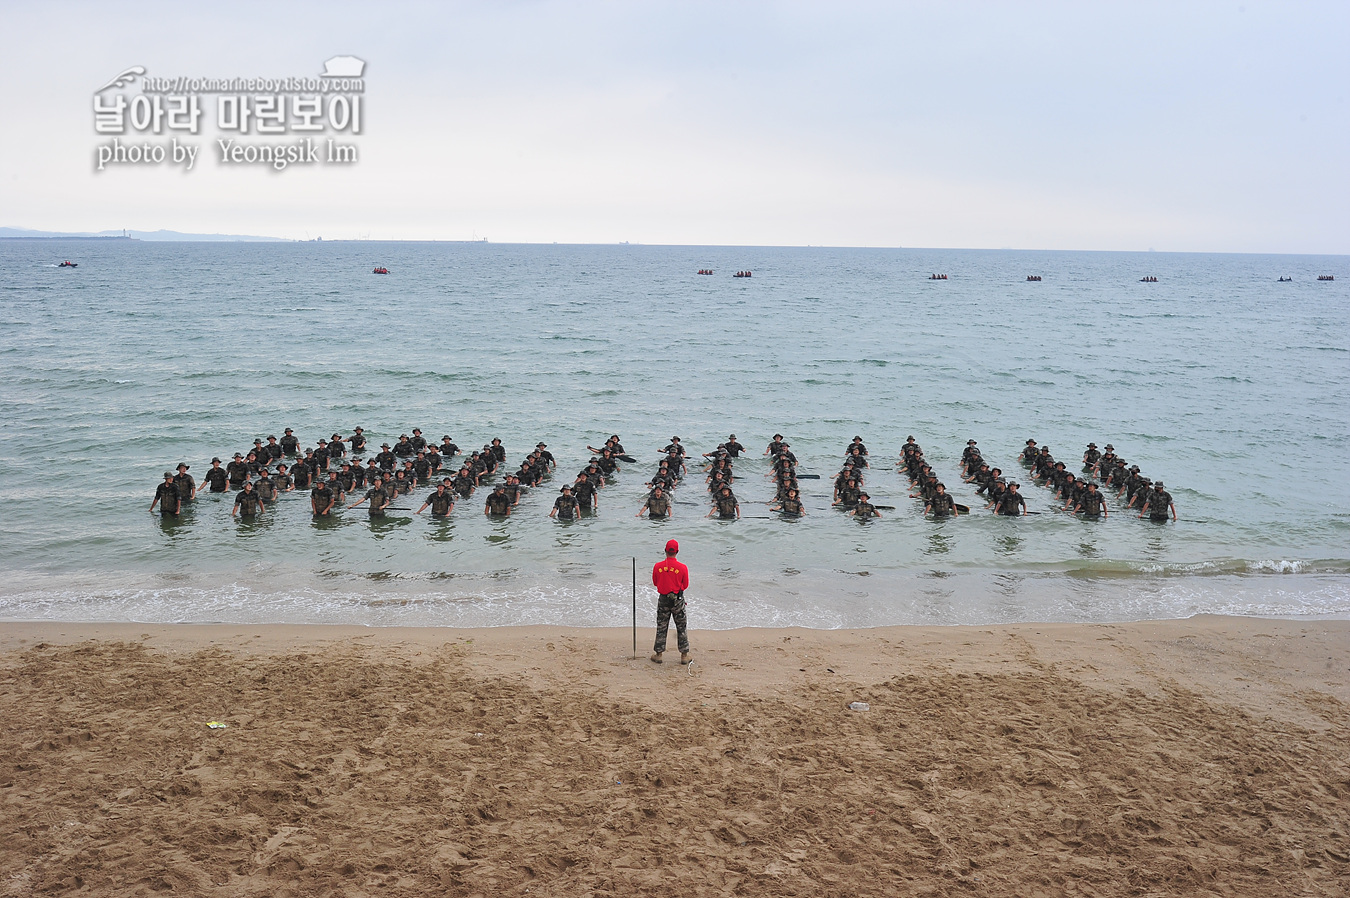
(670, 575)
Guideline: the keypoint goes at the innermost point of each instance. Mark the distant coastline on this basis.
(152, 236)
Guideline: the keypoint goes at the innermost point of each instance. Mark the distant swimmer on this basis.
(247, 504)
(657, 505)
(1157, 503)
(166, 496)
(565, 506)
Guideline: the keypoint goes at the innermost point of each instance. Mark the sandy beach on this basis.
(1198, 757)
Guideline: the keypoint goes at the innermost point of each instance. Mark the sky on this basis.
(1193, 126)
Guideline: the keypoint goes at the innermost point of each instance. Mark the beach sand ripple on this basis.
(352, 769)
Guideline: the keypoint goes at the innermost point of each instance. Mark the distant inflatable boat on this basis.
(1326, 277)
(69, 265)
(381, 271)
(743, 274)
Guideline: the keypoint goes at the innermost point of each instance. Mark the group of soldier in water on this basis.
(1081, 495)
(332, 471)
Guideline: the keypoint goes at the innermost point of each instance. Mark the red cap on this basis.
(672, 546)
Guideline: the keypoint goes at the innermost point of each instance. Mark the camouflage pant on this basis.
(671, 604)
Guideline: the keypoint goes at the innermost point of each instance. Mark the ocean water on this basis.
(1230, 386)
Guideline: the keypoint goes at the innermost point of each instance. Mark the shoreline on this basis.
(1171, 647)
(1157, 757)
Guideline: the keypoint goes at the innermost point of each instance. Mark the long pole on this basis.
(634, 607)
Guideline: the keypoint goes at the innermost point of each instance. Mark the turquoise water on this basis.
(1231, 387)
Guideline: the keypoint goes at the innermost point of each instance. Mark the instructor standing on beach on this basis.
(671, 579)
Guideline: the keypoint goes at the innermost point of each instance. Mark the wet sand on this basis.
(1206, 756)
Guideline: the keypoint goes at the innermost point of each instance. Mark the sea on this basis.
(1231, 386)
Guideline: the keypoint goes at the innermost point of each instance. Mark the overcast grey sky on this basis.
(1176, 126)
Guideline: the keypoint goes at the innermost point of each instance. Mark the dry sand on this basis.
(1200, 757)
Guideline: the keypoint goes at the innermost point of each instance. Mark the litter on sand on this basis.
(859, 706)
(216, 725)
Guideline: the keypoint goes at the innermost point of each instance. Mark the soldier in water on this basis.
(166, 496)
(657, 505)
(247, 504)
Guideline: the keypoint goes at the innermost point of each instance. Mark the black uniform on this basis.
(167, 494)
(1156, 503)
(1011, 503)
(237, 471)
(1092, 502)
(865, 510)
(441, 503)
(584, 492)
(248, 503)
(185, 485)
(378, 499)
(216, 478)
(657, 506)
(321, 495)
(566, 507)
(943, 505)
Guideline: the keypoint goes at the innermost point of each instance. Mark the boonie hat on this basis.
(169, 474)
(184, 466)
(215, 460)
(237, 455)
